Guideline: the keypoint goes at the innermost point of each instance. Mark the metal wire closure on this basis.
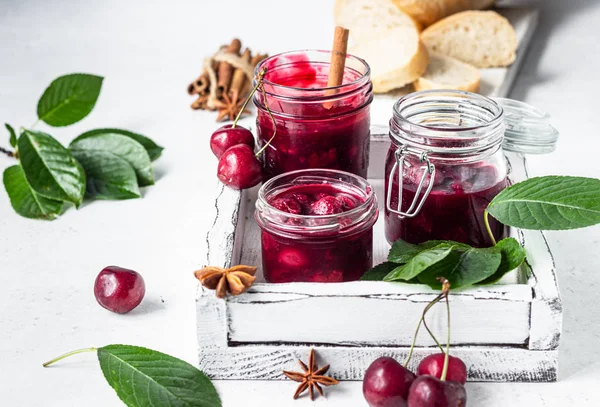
(428, 171)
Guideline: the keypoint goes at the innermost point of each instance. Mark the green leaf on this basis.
(122, 146)
(378, 272)
(69, 99)
(463, 268)
(108, 176)
(549, 203)
(24, 200)
(143, 377)
(50, 168)
(401, 251)
(513, 254)
(416, 265)
(13, 135)
(153, 149)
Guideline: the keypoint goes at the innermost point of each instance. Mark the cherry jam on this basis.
(452, 211)
(316, 126)
(317, 226)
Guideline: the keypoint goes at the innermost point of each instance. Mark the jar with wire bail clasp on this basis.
(446, 163)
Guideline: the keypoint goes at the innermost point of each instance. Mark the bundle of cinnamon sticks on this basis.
(232, 83)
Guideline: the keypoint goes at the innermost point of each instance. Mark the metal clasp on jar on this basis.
(428, 171)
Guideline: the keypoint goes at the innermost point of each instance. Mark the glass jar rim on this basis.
(479, 130)
(364, 76)
(495, 121)
(363, 215)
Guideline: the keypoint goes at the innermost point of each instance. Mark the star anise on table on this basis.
(234, 280)
(311, 378)
(229, 107)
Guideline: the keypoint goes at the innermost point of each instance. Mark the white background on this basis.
(148, 51)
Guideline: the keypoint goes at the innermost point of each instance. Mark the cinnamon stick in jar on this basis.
(225, 69)
(338, 62)
(239, 77)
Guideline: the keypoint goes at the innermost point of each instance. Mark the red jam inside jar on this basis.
(316, 126)
(317, 226)
(449, 143)
(452, 211)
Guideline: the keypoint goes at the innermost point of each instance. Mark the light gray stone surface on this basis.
(148, 52)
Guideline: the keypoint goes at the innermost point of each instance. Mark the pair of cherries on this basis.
(238, 167)
(389, 384)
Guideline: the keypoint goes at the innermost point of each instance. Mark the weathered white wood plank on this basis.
(546, 309)
(374, 320)
(492, 364)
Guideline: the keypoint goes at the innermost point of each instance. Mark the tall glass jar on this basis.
(317, 226)
(444, 166)
(317, 126)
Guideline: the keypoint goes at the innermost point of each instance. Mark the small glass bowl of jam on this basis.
(316, 126)
(316, 226)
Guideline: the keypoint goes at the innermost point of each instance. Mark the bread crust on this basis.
(427, 12)
(433, 33)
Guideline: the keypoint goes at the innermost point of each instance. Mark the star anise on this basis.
(311, 378)
(229, 107)
(234, 280)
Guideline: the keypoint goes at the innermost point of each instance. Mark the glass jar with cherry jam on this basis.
(316, 226)
(443, 168)
(316, 126)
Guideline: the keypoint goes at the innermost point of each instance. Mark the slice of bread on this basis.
(387, 38)
(427, 12)
(481, 38)
(370, 19)
(396, 59)
(448, 73)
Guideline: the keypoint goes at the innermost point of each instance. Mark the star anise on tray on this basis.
(234, 280)
(311, 378)
(229, 107)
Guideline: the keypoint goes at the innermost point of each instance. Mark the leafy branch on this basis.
(104, 163)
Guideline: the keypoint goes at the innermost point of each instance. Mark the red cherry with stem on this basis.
(228, 136)
(429, 391)
(239, 168)
(433, 365)
(386, 383)
(119, 289)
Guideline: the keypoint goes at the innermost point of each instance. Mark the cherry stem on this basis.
(486, 220)
(439, 345)
(66, 355)
(445, 291)
(7, 152)
(259, 79)
(412, 346)
(262, 88)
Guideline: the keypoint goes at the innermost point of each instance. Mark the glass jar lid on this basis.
(528, 130)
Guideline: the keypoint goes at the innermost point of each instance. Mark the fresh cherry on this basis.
(327, 205)
(434, 364)
(429, 391)
(118, 289)
(228, 136)
(386, 383)
(239, 168)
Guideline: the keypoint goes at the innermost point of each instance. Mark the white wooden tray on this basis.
(506, 332)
